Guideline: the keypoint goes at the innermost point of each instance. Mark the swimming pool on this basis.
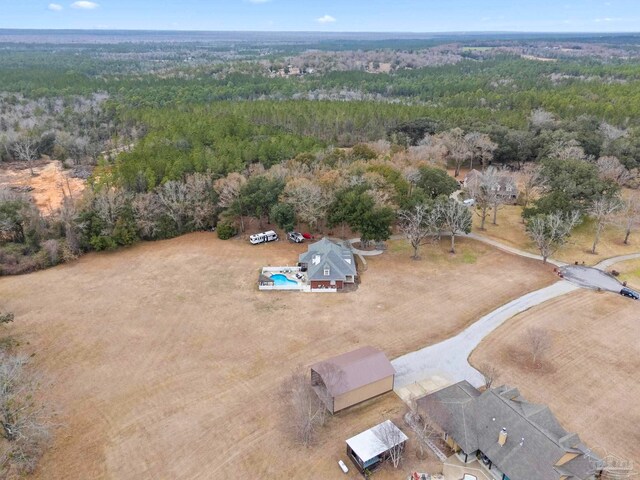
(280, 279)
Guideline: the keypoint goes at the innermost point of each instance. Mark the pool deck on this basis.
(287, 272)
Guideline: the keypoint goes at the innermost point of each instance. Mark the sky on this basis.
(327, 15)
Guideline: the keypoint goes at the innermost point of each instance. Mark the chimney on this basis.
(502, 438)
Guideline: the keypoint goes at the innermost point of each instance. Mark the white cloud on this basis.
(84, 5)
(55, 7)
(326, 19)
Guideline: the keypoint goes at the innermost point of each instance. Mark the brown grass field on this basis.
(511, 231)
(630, 272)
(167, 360)
(590, 378)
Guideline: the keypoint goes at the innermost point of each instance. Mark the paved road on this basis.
(448, 359)
(592, 278)
(515, 251)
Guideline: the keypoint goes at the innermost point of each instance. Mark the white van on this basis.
(263, 237)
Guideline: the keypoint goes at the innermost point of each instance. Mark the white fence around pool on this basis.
(267, 283)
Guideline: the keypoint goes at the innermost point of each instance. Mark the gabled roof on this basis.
(535, 440)
(375, 441)
(326, 254)
(353, 370)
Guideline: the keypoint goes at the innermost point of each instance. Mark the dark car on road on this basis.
(627, 292)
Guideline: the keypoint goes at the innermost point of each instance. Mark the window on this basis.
(327, 270)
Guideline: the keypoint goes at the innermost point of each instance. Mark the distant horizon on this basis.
(332, 32)
(354, 16)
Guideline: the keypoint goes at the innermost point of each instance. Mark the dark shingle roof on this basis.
(327, 254)
(535, 440)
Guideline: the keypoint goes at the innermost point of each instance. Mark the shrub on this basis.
(226, 230)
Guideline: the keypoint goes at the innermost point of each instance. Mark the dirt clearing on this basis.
(47, 187)
(168, 360)
(590, 377)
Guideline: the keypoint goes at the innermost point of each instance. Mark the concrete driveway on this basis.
(448, 359)
(445, 363)
(592, 278)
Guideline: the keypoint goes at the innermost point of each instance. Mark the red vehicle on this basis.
(308, 236)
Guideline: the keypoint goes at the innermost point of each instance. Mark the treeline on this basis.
(505, 87)
(362, 188)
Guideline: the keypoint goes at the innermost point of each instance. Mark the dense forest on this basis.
(180, 136)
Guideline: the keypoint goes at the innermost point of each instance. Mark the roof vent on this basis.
(502, 438)
(522, 442)
(316, 260)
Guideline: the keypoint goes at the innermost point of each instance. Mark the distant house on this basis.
(370, 448)
(497, 435)
(328, 265)
(506, 186)
(352, 378)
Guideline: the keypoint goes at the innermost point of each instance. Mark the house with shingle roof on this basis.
(505, 187)
(329, 266)
(498, 435)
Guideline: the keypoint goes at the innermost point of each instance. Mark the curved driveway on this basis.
(448, 360)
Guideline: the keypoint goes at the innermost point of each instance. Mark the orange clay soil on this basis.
(50, 183)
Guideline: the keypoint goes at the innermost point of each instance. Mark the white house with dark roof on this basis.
(329, 266)
(498, 435)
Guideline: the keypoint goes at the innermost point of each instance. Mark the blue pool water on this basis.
(280, 279)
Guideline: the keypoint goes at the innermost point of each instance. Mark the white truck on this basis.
(263, 237)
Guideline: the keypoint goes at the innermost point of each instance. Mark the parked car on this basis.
(295, 237)
(469, 202)
(308, 236)
(263, 237)
(627, 292)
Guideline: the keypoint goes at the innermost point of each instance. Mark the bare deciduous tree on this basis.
(146, 209)
(540, 118)
(630, 215)
(453, 218)
(481, 148)
(420, 422)
(228, 190)
(538, 342)
(602, 212)
(307, 199)
(610, 168)
(417, 224)
(484, 190)
(26, 150)
(456, 146)
(531, 181)
(393, 439)
(305, 411)
(25, 423)
(490, 374)
(550, 232)
(173, 197)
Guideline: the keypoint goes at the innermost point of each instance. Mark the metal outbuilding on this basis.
(352, 378)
